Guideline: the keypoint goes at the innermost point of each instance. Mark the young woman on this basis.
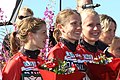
(23, 13)
(67, 33)
(88, 49)
(109, 26)
(91, 30)
(24, 64)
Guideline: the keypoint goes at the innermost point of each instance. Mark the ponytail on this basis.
(14, 43)
(57, 34)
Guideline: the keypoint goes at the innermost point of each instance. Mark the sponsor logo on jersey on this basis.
(29, 63)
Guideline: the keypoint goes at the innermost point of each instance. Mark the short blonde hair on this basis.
(105, 21)
(86, 12)
(27, 11)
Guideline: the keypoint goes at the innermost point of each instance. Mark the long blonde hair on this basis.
(105, 21)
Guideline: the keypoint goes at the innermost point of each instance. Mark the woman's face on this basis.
(109, 34)
(91, 28)
(72, 28)
(39, 38)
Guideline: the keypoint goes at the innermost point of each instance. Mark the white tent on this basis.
(8, 11)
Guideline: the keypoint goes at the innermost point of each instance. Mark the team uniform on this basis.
(23, 66)
(88, 51)
(67, 51)
(76, 54)
(60, 52)
(83, 52)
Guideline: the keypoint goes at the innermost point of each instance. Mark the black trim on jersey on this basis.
(31, 54)
(70, 45)
(89, 47)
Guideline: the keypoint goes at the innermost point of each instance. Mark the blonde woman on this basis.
(108, 26)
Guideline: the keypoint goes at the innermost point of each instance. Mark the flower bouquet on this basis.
(52, 70)
(103, 68)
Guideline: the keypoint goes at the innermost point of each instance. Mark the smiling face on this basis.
(71, 30)
(107, 36)
(91, 28)
(39, 38)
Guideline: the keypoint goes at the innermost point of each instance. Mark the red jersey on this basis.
(88, 56)
(20, 67)
(61, 52)
(81, 55)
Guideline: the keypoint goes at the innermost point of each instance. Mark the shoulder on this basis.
(13, 62)
(58, 47)
(16, 58)
(12, 70)
(57, 51)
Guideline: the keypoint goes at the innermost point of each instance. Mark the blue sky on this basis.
(109, 7)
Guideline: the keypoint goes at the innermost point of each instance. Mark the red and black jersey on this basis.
(21, 67)
(89, 52)
(78, 57)
(62, 48)
(61, 52)
(88, 56)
